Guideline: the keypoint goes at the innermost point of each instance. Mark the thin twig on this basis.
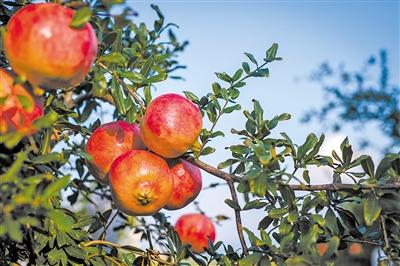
(385, 236)
(134, 94)
(238, 218)
(363, 242)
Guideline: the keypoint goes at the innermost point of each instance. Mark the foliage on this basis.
(360, 97)
(44, 178)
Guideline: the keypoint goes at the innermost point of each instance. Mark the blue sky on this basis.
(308, 33)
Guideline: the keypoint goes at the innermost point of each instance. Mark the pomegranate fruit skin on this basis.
(195, 229)
(171, 125)
(187, 184)
(141, 182)
(108, 142)
(42, 47)
(19, 107)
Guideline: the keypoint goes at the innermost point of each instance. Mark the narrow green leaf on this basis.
(47, 158)
(271, 52)
(277, 213)
(13, 171)
(372, 210)
(368, 166)
(251, 57)
(81, 17)
(230, 109)
(114, 58)
(246, 67)
(54, 188)
(232, 204)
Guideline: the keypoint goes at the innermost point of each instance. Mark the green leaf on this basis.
(239, 149)
(251, 57)
(216, 88)
(63, 239)
(46, 121)
(227, 163)
(330, 221)
(238, 74)
(157, 78)
(145, 71)
(368, 166)
(385, 164)
(13, 171)
(271, 52)
(47, 158)
(277, 213)
(306, 176)
(133, 76)
(191, 96)
(255, 204)
(114, 58)
(318, 219)
(81, 17)
(262, 154)
(63, 221)
(333, 246)
(372, 210)
(246, 67)
(54, 188)
(293, 216)
(223, 76)
(118, 95)
(251, 259)
(207, 150)
(54, 256)
(12, 227)
(232, 204)
(230, 109)
(310, 142)
(76, 252)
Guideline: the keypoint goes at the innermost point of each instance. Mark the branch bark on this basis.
(328, 187)
(238, 218)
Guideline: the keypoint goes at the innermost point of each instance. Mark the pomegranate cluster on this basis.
(139, 162)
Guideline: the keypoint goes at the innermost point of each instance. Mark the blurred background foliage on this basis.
(359, 98)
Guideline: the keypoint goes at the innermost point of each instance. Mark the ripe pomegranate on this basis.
(19, 107)
(187, 184)
(42, 47)
(108, 142)
(171, 125)
(195, 229)
(141, 182)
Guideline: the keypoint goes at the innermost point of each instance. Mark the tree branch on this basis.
(329, 187)
(238, 219)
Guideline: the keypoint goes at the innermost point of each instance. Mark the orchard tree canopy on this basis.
(61, 66)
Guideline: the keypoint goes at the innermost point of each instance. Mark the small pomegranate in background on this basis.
(195, 229)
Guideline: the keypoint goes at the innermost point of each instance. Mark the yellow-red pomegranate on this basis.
(19, 108)
(108, 142)
(195, 229)
(187, 184)
(171, 125)
(42, 47)
(141, 182)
